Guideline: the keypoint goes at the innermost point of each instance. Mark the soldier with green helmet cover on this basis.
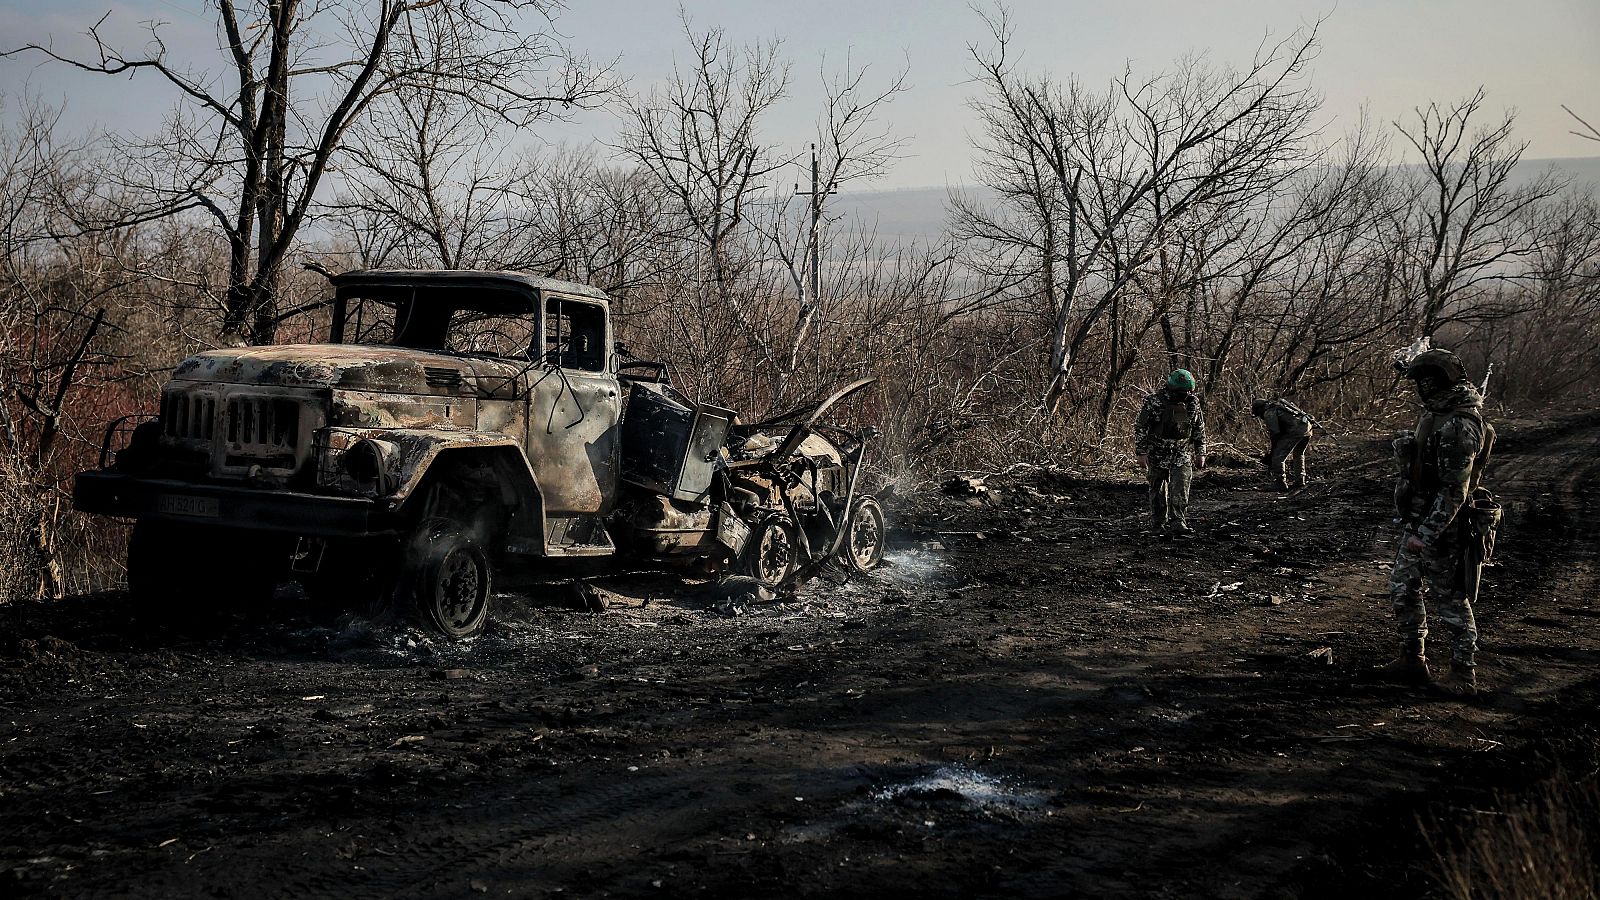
(1443, 541)
(1170, 440)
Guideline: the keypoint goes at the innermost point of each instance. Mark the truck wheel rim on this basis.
(866, 537)
(775, 554)
(460, 590)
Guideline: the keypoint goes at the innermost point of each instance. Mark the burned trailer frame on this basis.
(842, 525)
(455, 422)
(769, 502)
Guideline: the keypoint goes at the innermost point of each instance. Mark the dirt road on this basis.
(1031, 700)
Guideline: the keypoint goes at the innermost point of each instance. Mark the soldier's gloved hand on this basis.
(1414, 544)
(1144, 460)
(1199, 460)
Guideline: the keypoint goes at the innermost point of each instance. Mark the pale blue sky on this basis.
(1533, 55)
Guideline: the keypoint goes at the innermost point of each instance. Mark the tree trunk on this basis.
(47, 568)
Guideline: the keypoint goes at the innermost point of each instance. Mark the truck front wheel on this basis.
(447, 578)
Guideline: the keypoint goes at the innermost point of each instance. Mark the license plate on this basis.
(179, 505)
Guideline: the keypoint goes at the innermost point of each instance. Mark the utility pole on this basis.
(812, 289)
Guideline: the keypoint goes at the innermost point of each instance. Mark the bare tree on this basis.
(252, 148)
(699, 137)
(1552, 347)
(1292, 278)
(1467, 225)
(54, 291)
(1589, 132)
(583, 220)
(1109, 179)
(425, 166)
(852, 144)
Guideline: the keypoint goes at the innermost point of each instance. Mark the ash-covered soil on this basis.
(1031, 699)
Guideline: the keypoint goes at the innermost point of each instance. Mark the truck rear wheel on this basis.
(447, 579)
(772, 552)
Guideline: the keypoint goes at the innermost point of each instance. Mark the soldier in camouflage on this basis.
(1289, 430)
(1170, 439)
(1441, 463)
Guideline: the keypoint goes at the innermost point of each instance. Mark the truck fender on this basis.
(449, 472)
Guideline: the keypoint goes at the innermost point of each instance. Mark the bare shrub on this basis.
(1537, 846)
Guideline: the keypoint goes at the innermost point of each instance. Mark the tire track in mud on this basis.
(504, 835)
(1551, 468)
(1553, 492)
(1552, 500)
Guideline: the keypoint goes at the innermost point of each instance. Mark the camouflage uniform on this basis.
(1446, 444)
(1170, 432)
(1290, 431)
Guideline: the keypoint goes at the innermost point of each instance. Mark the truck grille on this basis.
(262, 427)
(236, 432)
(189, 416)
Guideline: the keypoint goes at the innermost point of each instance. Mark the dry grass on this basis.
(1539, 844)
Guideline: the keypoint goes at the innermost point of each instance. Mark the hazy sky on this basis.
(1392, 55)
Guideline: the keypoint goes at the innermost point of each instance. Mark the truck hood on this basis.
(353, 367)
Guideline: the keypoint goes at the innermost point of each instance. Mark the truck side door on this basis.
(573, 434)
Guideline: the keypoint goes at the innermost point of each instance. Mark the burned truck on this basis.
(456, 423)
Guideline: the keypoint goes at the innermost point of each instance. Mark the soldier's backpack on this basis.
(1177, 419)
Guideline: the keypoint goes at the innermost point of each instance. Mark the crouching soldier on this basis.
(1289, 429)
(1442, 543)
(1170, 438)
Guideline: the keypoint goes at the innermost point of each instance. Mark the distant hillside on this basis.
(919, 213)
(908, 214)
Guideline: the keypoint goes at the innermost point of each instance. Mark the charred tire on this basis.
(447, 579)
(772, 551)
(866, 534)
(179, 571)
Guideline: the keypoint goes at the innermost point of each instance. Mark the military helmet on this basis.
(1257, 407)
(1181, 379)
(1442, 361)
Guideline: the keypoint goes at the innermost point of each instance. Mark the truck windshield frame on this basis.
(420, 317)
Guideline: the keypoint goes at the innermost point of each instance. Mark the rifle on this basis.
(1482, 514)
(1407, 474)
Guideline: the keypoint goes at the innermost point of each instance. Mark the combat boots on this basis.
(1460, 681)
(1407, 668)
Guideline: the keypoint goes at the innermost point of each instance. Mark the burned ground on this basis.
(1031, 699)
